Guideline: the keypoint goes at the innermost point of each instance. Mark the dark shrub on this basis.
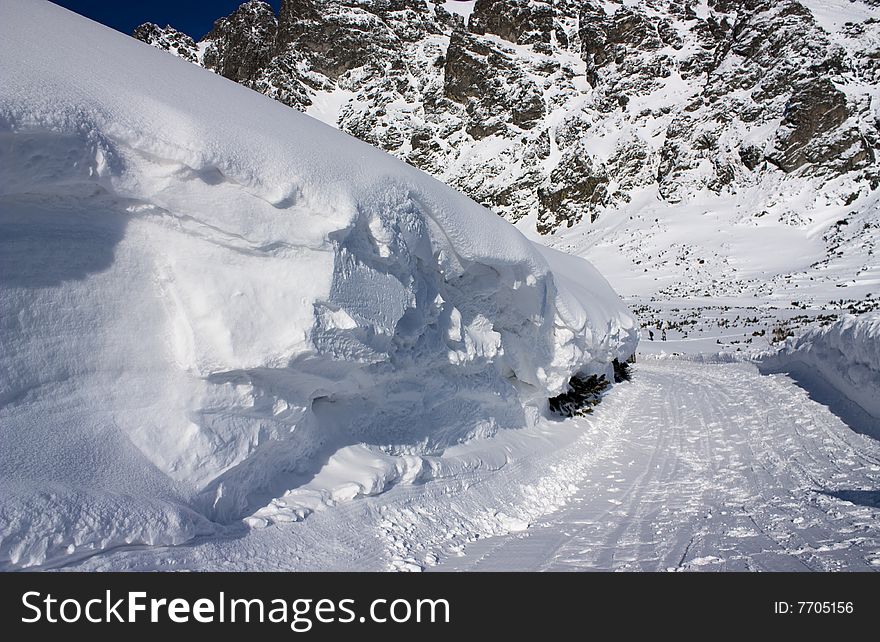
(622, 371)
(584, 393)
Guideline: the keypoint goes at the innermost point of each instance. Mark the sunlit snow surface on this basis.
(464, 8)
(832, 14)
(217, 309)
(845, 354)
(214, 326)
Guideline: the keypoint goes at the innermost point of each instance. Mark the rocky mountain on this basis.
(566, 110)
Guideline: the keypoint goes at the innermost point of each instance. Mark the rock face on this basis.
(812, 130)
(518, 21)
(169, 39)
(495, 90)
(565, 109)
(241, 46)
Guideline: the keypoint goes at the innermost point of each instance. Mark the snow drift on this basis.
(205, 294)
(846, 354)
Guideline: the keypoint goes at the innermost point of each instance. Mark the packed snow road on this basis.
(715, 467)
(690, 466)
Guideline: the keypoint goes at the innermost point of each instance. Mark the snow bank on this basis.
(846, 354)
(205, 295)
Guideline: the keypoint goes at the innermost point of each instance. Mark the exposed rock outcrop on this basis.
(565, 108)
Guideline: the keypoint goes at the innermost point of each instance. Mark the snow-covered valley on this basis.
(236, 338)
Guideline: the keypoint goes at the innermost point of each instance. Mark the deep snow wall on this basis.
(203, 294)
(846, 354)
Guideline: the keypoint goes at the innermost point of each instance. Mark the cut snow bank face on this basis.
(846, 354)
(205, 294)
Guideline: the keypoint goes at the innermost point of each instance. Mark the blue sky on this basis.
(194, 17)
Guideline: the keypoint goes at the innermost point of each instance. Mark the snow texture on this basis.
(206, 296)
(464, 8)
(688, 467)
(703, 467)
(846, 354)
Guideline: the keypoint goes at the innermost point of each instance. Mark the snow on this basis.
(687, 462)
(846, 354)
(464, 8)
(326, 105)
(260, 338)
(704, 467)
(740, 252)
(833, 14)
(217, 309)
(722, 271)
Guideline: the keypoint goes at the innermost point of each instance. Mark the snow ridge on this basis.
(205, 310)
(845, 353)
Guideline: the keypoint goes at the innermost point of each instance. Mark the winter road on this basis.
(689, 466)
(715, 467)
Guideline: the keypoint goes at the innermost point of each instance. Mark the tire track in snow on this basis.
(690, 466)
(730, 470)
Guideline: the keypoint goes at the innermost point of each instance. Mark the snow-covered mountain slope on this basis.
(205, 295)
(720, 152)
